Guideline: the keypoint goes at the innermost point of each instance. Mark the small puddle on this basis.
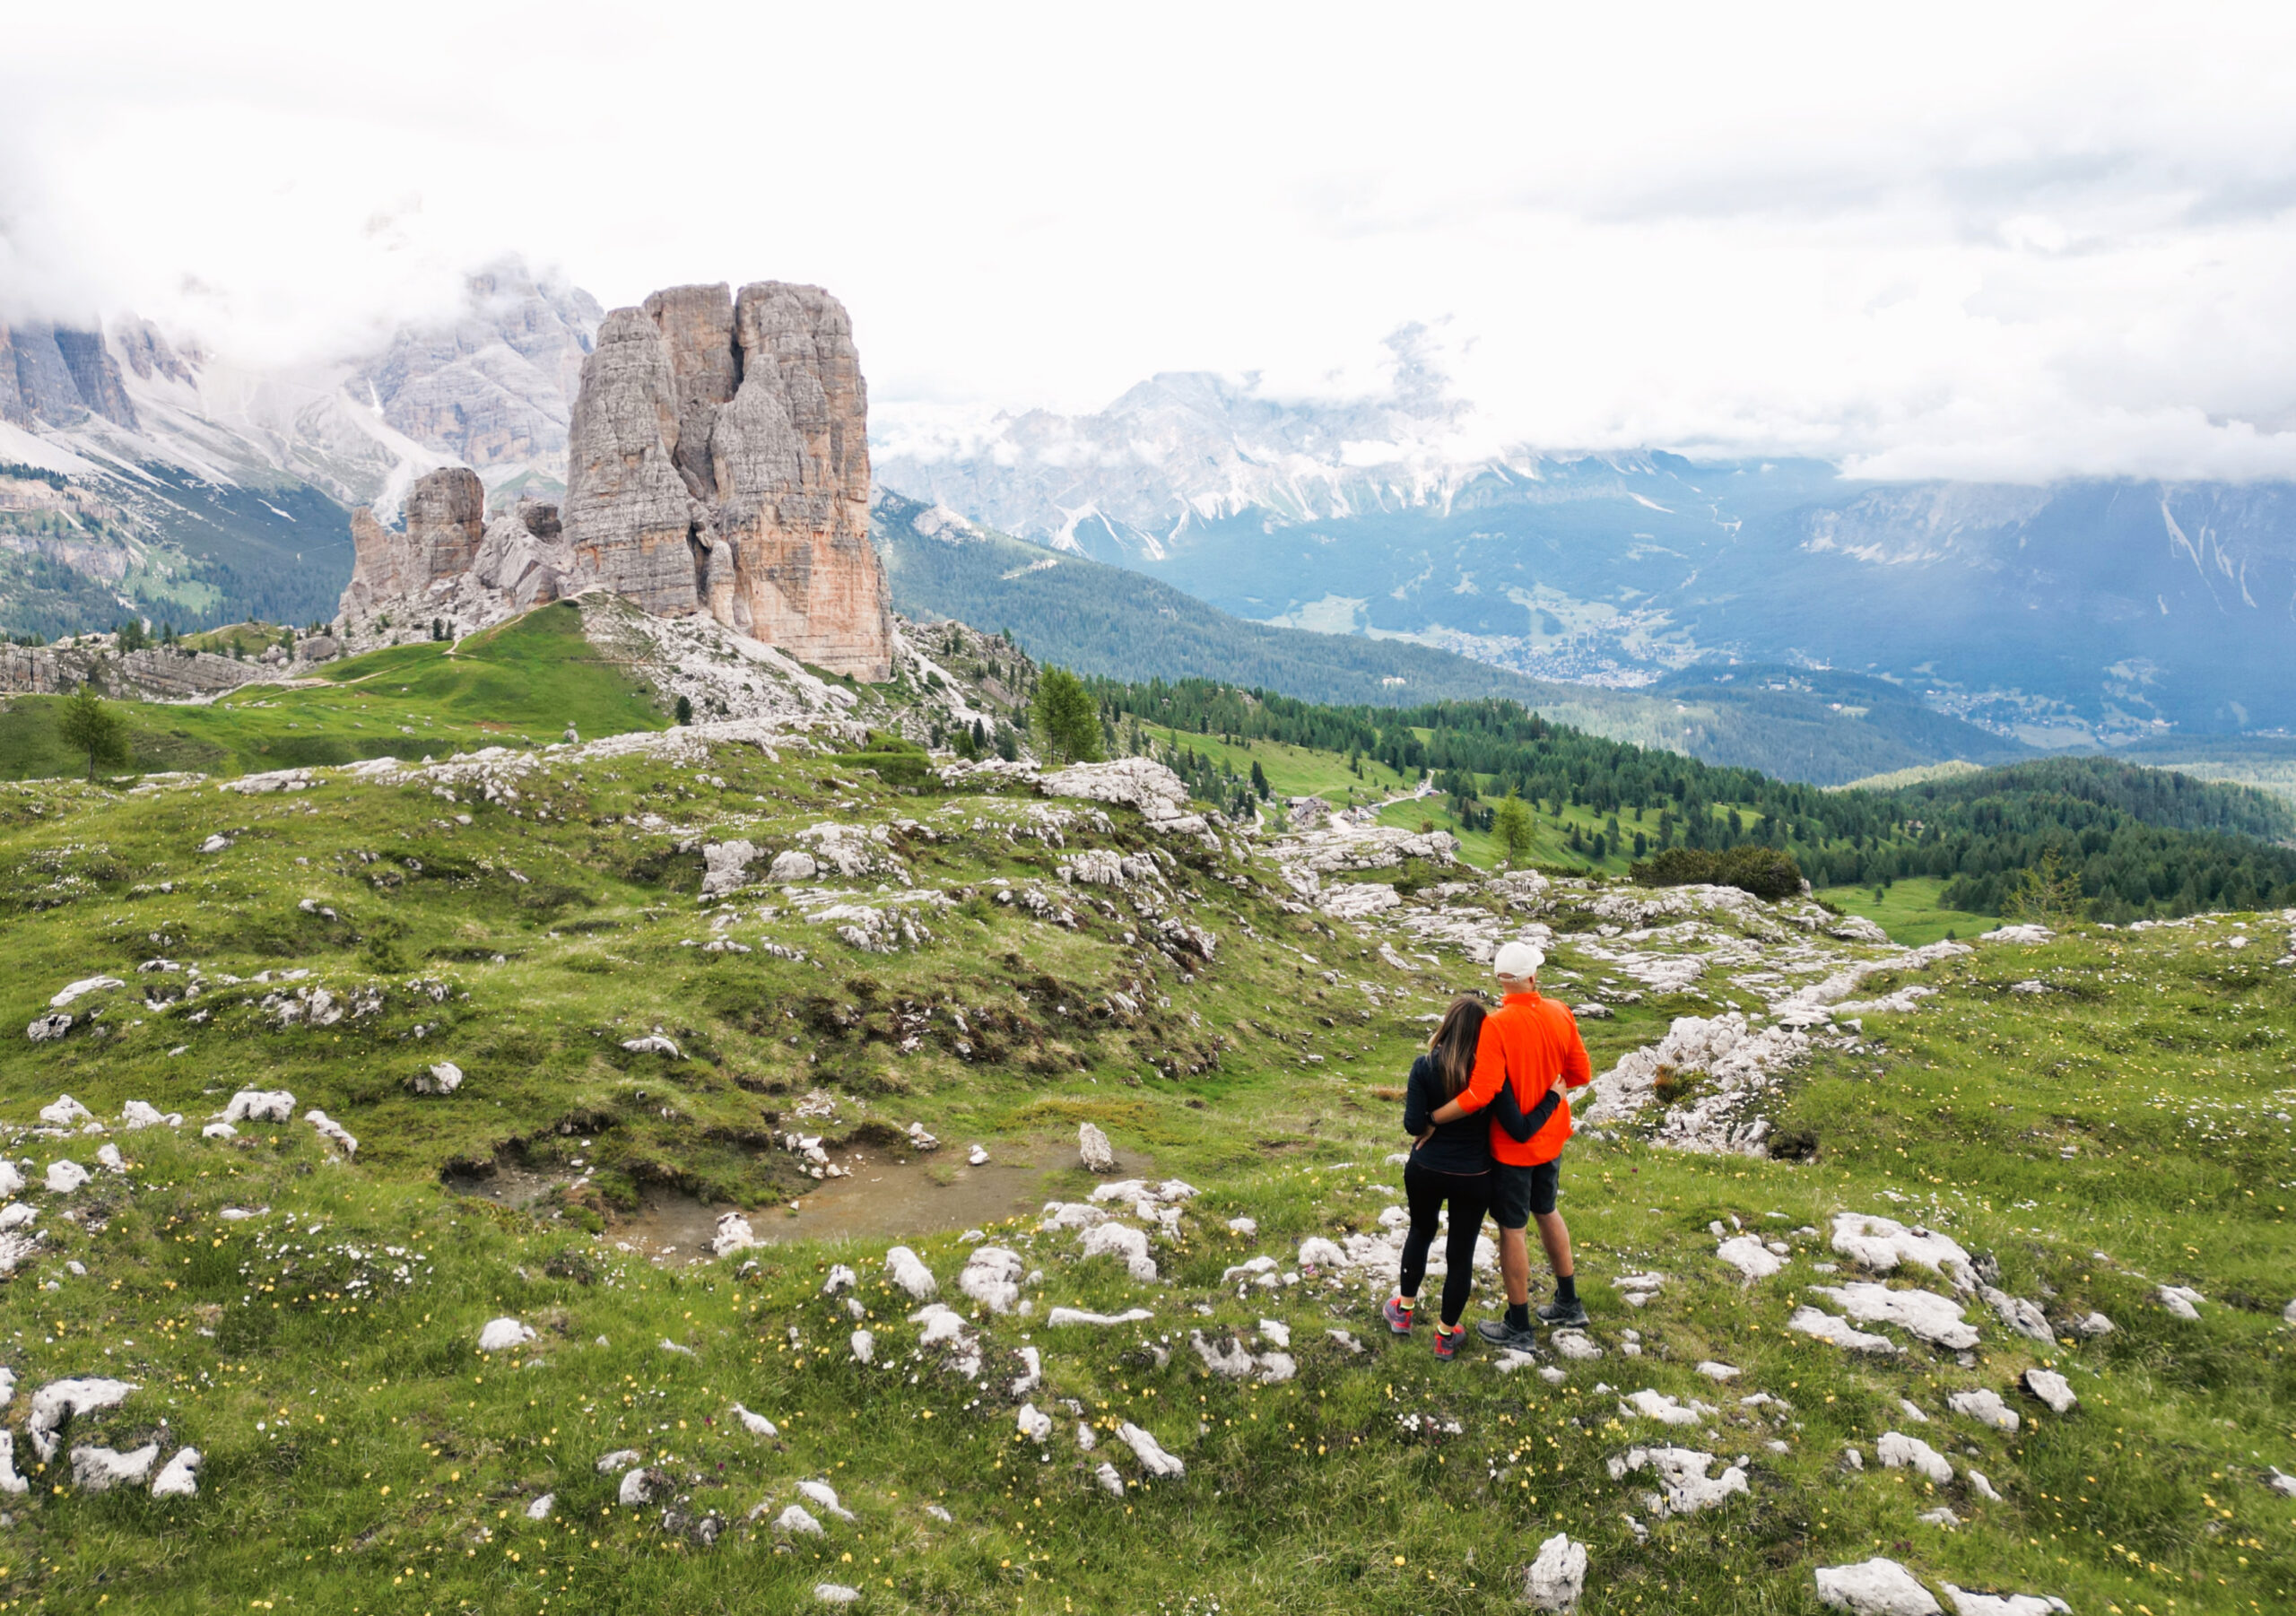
(885, 1199)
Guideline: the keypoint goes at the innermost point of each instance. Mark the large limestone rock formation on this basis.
(719, 462)
(717, 465)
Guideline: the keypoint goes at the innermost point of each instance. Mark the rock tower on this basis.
(718, 463)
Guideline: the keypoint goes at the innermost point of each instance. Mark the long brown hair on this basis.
(1453, 1044)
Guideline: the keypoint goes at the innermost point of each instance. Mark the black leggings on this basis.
(1469, 1194)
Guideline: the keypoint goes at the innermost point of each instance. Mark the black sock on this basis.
(1566, 1289)
(1519, 1315)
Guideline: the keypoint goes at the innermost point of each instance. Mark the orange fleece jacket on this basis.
(1532, 1043)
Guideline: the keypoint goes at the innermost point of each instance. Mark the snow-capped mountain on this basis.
(2064, 615)
(225, 490)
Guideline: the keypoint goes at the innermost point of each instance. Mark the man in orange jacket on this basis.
(1532, 1044)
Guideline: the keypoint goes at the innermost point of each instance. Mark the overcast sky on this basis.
(2002, 240)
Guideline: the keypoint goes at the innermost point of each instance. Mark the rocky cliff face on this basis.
(58, 375)
(719, 462)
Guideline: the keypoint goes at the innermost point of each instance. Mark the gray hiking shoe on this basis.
(1563, 1316)
(1499, 1332)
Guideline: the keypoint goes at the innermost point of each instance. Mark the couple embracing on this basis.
(1488, 1119)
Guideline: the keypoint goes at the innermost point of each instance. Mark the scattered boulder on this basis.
(643, 1486)
(822, 1494)
(2052, 1388)
(46, 1028)
(1966, 1602)
(539, 1510)
(1825, 1326)
(444, 1077)
(1897, 1451)
(504, 1335)
(836, 1593)
(10, 1482)
(757, 1425)
(1920, 1313)
(1150, 1454)
(2181, 1300)
(1034, 1423)
(1985, 1406)
(1122, 1241)
(64, 1112)
(1105, 1474)
(99, 1469)
(2096, 1323)
(1657, 1405)
(1881, 1244)
(653, 1042)
(992, 1277)
(725, 867)
(86, 984)
(65, 1177)
(1685, 1488)
(179, 1477)
(1717, 1371)
(794, 865)
(2025, 1317)
(905, 1269)
(1557, 1578)
(864, 1343)
(798, 1521)
(1749, 1256)
(1875, 1588)
(139, 1113)
(59, 1402)
(1060, 1316)
(332, 1131)
(259, 1105)
(734, 1234)
(1093, 1148)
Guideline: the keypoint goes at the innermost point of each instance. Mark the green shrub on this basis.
(1764, 872)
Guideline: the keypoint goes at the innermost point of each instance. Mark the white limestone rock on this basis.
(1875, 1588)
(1123, 1241)
(1105, 1474)
(1717, 1371)
(504, 1335)
(756, 1424)
(86, 984)
(2052, 1388)
(1150, 1454)
(906, 1270)
(138, 1114)
(99, 1469)
(621, 1459)
(1897, 1451)
(259, 1105)
(539, 1510)
(1920, 1313)
(2181, 1300)
(1685, 1488)
(1967, 1603)
(441, 1077)
(836, 1593)
(1985, 1406)
(64, 1177)
(734, 1234)
(992, 1277)
(2025, 1317)
(42, 1030)
(824, 1496)
(1825, 1326)
(10, 1482)
(1881, 1244)
(864, 1343)
(1059, 1317)
(1749, 1256)
(1034, 1424)
(1657, 1405)
(1558, 1576)
(797, 1521)
(64, 1112)
(840, 1278)
(643, 1486)
(1094, 1150)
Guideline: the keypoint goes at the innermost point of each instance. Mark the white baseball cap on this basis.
(1518, 961)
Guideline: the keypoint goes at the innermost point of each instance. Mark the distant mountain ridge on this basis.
(2085, 611)
(1101, 619)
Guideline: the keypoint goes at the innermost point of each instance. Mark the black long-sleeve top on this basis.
(1456, 1147)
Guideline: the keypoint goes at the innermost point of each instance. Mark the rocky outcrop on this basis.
(58, 374)
(160, 674)
(717, 465)
(719, 462)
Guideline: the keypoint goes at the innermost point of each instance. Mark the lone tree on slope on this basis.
(1512, 823)
(87, 724)
(1068, 717)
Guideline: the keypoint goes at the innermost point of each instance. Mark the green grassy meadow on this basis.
(521, 683)
(1911, 910)
(2124, 1129)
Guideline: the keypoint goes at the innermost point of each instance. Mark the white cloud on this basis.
(2013, 241)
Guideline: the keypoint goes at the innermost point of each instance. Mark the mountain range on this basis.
(2071, 614)
(140, 471)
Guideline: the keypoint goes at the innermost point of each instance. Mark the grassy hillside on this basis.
(523, 683)
(363, 1454)
(1108, 621)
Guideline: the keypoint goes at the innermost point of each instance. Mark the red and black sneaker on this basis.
(1446, 1342)
(1399, 1315)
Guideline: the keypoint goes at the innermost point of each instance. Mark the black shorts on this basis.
(1518, 1191)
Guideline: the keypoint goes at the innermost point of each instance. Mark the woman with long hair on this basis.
(1449, 1166)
